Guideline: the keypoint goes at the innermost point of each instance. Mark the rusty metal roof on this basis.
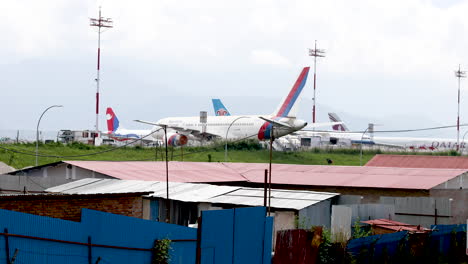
(284, 174)
(396, 226)
(419, 161)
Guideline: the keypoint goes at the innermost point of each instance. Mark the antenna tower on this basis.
(99, 23)
(315, 53)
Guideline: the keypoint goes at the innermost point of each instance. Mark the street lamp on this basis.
(463, 143)
(227, 131)
(362, 136)
(37, 129)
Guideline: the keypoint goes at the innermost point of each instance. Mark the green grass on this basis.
(238, 152)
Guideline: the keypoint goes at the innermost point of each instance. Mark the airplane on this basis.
(234, 127)
(412, 143)
(219, 108)
(121, 134)
(334, 118)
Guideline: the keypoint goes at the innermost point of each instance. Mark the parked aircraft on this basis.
(282, 122)
(219, 108)
(122, 134)
(413, 143)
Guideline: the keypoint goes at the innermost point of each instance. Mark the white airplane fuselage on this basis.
(232, 127)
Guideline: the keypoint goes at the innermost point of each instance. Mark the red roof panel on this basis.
(419, 161)
(311, 175)
(395, 226)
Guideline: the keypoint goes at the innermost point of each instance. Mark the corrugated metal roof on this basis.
(156, 171)
(419, 161)
(349, 176)
(195, 192)
(285, 174)
(396, 226)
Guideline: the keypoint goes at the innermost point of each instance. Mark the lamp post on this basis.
(362, 136)
(227, 131)
(37, 129)
(459, 74)
(463, 143)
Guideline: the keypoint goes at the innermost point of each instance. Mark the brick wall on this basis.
(68, 207)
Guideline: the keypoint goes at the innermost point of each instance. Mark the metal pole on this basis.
(463, 143)
(459, 74)
(265, 187)
(458, 112)
(37, 130)
(272, 138)
(100, 22)
(168, 203)
(227, 131)
(315, 74)
(315, 53)
(360, 155)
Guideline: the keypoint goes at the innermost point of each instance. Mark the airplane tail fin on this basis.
(112, 120)
(219, 108)
(287, 107)
(335, 118)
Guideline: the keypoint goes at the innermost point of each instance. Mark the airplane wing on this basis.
(182, 130)
(274, 122)
(313, 125)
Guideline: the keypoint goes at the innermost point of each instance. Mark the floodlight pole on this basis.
(362, 136)
(315, 53)
(459, 74)
(99, 23)
(37, 130)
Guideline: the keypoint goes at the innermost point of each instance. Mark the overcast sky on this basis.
(385, 60)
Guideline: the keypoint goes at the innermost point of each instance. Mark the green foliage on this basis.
(360, 231)
(324, 255)
(249, 151)
(161, 250)
(300, 222)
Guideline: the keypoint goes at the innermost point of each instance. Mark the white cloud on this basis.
(269, 57)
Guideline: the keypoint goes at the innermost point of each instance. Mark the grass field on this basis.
(23, 155)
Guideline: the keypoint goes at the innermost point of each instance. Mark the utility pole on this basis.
(315, 53)
(459, 74)
(99, 23)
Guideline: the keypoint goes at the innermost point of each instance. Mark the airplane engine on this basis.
(176, 140)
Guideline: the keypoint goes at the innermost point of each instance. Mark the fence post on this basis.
(7, 246)
(90, 256)
(199, 237)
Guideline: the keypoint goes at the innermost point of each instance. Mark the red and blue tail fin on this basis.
(112, 120)
(286, 108)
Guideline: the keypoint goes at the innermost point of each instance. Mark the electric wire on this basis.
(210, 148)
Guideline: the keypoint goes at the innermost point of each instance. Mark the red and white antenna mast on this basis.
(99, 23)
(315, 53)
(459, 74)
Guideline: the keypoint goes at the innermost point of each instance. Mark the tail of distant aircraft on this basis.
(219, 108)
(334, 118)
(112, 120)
(287, 107)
